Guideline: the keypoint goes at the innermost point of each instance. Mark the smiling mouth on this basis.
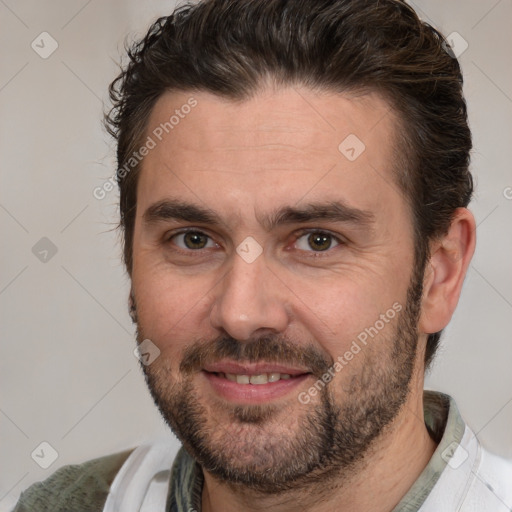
(262, 378)
(254, 385)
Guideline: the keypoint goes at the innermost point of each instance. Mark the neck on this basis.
(377, 484)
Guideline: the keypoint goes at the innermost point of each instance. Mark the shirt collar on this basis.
(446, 427)
(186, 486)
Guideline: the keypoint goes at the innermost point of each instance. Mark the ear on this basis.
(445, 271)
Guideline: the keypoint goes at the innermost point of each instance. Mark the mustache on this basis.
(269, 348)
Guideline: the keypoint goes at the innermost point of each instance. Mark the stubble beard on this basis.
(245, 445)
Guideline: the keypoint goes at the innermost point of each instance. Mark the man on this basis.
(294, 182)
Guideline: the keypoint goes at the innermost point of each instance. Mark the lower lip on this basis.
(253, 393)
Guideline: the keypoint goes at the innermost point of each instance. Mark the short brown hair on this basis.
(231, 47)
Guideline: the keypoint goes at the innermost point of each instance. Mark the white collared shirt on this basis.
(460, 477)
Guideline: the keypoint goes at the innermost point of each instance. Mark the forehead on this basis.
(280, 145)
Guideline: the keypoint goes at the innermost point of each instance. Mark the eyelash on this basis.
(315, 254)
(319, 254)
(189, 252)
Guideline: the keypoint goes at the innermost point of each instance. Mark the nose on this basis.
(249, 301)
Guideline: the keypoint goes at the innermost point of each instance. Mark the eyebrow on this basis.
(331, 211)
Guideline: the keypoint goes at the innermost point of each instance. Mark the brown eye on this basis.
(319, 241)
(193, 240)
(316, 241)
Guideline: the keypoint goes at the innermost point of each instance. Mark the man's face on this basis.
(267, 248)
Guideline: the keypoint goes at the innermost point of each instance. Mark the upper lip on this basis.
(252, 368)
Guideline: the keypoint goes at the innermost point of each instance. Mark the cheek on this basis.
(170, 307)
(336, 311)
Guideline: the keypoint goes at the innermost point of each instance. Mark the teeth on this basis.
(263, 378)
(259, 379)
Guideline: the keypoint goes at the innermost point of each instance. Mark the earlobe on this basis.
(445, 272)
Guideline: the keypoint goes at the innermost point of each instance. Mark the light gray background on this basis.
(68, 375)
